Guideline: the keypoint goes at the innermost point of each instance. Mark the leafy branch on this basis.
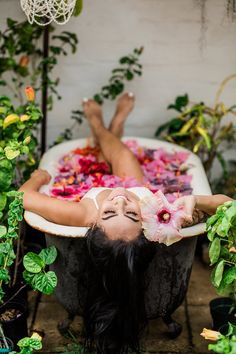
(200, 128)
(221, 229)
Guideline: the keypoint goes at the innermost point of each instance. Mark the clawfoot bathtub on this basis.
(168, 274)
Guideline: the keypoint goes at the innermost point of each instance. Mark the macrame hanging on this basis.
(44, 12)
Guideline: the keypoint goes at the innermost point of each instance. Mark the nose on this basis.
(120, 202)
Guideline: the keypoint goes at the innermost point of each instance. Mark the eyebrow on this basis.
(112, 216)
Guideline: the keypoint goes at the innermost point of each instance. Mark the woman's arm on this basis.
(209, 203)
(206, 203)
(57, 211)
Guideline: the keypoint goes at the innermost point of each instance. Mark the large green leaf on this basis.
(214, 251)
(229, 275)
(48, 255)
(218, 273)
(29, 278)
(46, 282)
(33, 263)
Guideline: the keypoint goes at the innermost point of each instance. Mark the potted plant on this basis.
(201, 128)
(224, 344)
(16, 127)
(221, 229)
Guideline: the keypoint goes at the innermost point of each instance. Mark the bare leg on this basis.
(121, 159)
(124, 106)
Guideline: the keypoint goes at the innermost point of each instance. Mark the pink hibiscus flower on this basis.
(161, 220)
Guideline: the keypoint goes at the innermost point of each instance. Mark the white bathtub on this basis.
(49, 161)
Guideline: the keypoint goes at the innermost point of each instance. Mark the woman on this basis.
(118, 253)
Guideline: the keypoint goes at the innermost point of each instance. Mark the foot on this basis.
(124, 106)
(93, 113)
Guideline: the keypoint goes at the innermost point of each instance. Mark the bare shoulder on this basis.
(83, 213)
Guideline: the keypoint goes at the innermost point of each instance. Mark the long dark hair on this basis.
(114, 313)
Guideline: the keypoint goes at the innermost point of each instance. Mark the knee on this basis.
(124, 155)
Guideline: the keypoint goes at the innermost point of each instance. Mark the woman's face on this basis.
(120, 215)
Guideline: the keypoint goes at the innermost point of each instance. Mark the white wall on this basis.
(173, 62)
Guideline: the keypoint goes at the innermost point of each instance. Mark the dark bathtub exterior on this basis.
(166, 278)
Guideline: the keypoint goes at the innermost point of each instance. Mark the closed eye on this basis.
(109, 211)
(132, 213)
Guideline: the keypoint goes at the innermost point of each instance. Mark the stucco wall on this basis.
(174, 63)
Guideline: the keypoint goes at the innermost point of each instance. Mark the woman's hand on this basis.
(38, 179)
(187, 203)
(41, 176)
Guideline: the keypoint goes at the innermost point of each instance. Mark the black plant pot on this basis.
(222, 311)
(14, 326)
(6, 348)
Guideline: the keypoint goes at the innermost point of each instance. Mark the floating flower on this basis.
(81, 170)
(161, 220)
(210, 335)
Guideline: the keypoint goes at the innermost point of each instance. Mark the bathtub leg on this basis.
(174, 328)
(64, 325)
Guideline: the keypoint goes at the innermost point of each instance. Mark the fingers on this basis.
(187, 203)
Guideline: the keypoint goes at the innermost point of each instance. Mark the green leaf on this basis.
(46, 282)
(31, 343)
(4, 275)
(212, 220)
(78, 7)
(221, 347)
(223, 227)
(48, 255)
(3, 231)
(180, 103)
(218, 273)
(214, 251)
(230, 275)
(33, 263)
(29, 278)
(12, 154)
(3, 200)
(5, 247)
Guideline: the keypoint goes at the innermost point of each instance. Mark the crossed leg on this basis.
(122, 160)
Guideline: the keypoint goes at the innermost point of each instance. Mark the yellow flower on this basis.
(210, 335)
(24, 117)
(27, 140)
(232, 249)
(30, 94)
(35, 335)
(10, 119)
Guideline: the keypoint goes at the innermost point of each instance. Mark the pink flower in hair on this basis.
(161, 220)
